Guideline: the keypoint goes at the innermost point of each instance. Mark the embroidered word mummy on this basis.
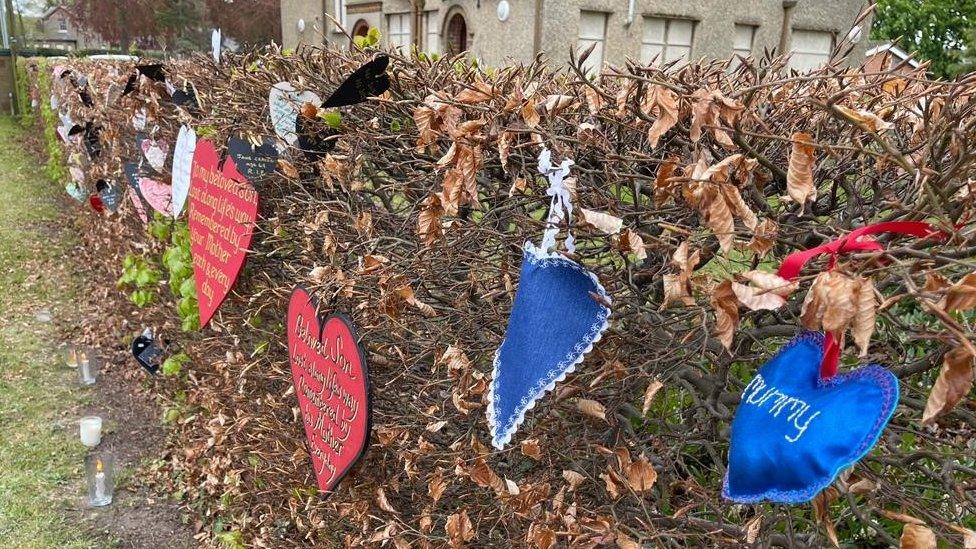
(755, 395)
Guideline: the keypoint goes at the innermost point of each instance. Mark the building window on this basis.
(745, 37)
(810, 49)
(592, 30)
(432, 37)
(339, 12)
(398, 25)
(667, 39)
(457, 35)
(62, 25)
(361, 28)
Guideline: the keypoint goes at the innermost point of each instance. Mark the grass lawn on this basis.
(41, 459)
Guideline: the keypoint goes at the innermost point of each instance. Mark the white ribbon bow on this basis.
(561, 207)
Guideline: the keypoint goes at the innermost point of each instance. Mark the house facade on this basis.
(56, 29)
(500, 31)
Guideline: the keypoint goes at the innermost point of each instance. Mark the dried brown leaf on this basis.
(429, 227)
(630, 242)
(917, 536)
(961, 296)
(532, 449)
(726, 307)
(459, 529)
(591, 408)
(573, 478)
(867, 120)
(862, 327)
(954, 382)
(641, 475)
(652, 389)
(799, 176)
(603, 222)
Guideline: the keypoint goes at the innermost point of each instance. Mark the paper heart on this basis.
(77, 174)
(186, 143)
(367, 81)
(159, 195)
(155, 71)
(186, 98)
(131, 171)
(96, 203)
(92, 144)
(254, 162)
(155, 153)
(75, 191)
(315, 138)
(137, 204)
(223, 211)
(553, 324)
(285, 102)
(332, 384)
(794, 432)
(109, 195)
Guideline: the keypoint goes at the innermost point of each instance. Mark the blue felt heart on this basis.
(554, 322)
(793, 432)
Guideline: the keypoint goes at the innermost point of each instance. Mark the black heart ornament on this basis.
(110, 195)
(154, 72)
(254, 163)
(315, 138)
(367, 81)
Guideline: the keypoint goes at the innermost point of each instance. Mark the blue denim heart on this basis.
(794, 432)
(554, 322)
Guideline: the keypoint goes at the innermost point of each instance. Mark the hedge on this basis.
(414, 223)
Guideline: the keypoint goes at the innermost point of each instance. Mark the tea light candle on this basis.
(85, 369)
(91, 431)
(101, 479)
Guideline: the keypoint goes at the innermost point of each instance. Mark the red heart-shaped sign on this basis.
(223, 210)
(332, 384)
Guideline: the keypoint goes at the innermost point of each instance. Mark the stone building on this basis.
(498, 31)
(56, 29)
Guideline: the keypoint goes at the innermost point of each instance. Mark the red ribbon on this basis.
(793, 264)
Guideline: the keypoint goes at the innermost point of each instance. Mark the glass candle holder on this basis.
(87, 366)
(69, 353)
(100, 471)
(90, 429)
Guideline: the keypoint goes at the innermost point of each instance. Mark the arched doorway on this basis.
(456, 35)
(361, 28)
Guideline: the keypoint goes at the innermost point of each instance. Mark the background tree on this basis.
(121, 23)
(177, 24)
(937, 30)
(247, 21)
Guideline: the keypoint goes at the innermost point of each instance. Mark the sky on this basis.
(31, 7)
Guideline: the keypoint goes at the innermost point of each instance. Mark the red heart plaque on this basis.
(223, 210)
(332, 384)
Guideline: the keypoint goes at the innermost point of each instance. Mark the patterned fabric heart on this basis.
(159, 195)
(554, 322)
(285, 102)
(794, 431)
(155, 153)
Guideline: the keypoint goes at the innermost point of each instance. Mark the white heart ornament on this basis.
(285, 102)
(186, 144)
(156, 152)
